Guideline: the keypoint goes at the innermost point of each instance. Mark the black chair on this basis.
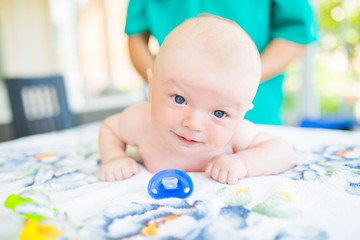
(39, 105)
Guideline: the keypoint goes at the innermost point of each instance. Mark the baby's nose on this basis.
(193, 122)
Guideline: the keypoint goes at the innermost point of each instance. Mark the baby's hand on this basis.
(119, 168)
(226, 169)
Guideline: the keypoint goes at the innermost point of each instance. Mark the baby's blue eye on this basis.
(178, 99)
(219, 114)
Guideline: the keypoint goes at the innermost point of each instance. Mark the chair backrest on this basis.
(39, 105)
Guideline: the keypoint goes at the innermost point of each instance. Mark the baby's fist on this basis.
(226, 169)
(119, 168)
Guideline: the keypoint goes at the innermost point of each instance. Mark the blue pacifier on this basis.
(170, 183)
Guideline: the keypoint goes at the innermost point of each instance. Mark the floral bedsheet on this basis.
(49, 190)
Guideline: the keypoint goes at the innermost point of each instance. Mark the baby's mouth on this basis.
(186, 141)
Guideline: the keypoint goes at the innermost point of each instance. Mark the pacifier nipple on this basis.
(169, 182)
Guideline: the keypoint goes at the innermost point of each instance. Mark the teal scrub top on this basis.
(263, 20)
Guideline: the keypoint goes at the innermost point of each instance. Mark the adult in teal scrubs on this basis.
(279, 28)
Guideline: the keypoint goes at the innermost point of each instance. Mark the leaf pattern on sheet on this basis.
(275, 205)
(241, 197)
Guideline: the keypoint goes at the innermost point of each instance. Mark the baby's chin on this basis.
(187, 151)
(196, 150)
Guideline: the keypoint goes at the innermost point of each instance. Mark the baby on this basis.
(203, 82)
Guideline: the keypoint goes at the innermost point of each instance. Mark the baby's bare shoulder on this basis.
(132, 118)
(248, 135)
(137, 109)
(137, 114)
(244, 135)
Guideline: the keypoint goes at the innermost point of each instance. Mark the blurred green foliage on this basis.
(338, 20)
(337, 60)
(342, 19)
(326, 21)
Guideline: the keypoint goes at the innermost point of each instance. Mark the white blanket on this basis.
(318, 199)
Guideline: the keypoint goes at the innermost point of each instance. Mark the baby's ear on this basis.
(149, 73)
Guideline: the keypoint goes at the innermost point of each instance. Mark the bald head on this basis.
(222, 39)
(212, 52)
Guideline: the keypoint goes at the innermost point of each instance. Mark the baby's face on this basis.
(197, 103)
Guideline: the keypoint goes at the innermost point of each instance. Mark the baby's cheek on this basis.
(217, 138)
(158, 118)
(167, 120)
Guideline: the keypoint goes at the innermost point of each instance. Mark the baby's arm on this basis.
(265, 154)
(115, 133)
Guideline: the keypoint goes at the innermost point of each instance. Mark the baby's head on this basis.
(232, 58)
(208, 65)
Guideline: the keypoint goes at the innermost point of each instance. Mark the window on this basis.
(92, 52)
